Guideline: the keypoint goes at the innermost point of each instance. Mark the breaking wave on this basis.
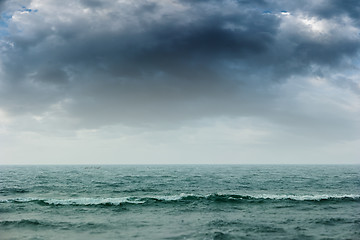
(183, 198)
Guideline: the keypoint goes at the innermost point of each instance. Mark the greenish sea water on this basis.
(180, 202)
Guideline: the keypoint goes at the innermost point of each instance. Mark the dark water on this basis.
(180, 202)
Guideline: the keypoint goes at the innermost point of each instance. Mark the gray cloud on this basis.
(149, 63)
(335, 8)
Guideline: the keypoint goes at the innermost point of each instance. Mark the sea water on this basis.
(180, 202)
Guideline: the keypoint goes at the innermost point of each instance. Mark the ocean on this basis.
(180, 202)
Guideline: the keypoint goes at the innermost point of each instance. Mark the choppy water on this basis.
(180, 202)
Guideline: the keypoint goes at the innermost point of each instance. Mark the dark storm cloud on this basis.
(148, 62)
(335, 8)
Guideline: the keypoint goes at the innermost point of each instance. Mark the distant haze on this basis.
(179, 81)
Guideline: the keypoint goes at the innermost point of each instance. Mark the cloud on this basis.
(164, 63)
(334, 9)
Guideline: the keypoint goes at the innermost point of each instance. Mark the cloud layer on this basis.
(161, 64)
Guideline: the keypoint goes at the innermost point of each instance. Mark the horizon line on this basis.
(175, 164)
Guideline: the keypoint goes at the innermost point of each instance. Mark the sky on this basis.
(180, 82)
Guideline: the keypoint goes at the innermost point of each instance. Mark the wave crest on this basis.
(183, 198)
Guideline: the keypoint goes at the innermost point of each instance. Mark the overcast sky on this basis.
(179, 81)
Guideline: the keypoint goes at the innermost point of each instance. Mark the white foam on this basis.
(172, 197)
(307, 197)
(20, 200)
(144, 199)
(77, 201)
(92, 201)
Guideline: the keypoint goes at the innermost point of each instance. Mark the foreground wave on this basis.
(183, 198)
(51, 224)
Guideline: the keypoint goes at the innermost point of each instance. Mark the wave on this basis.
(184, 198)
(50, 224)
(21, 222)
(76, 201)
(13, 190)
(281, 197)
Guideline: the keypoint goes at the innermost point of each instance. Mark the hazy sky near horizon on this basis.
(179, 81)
